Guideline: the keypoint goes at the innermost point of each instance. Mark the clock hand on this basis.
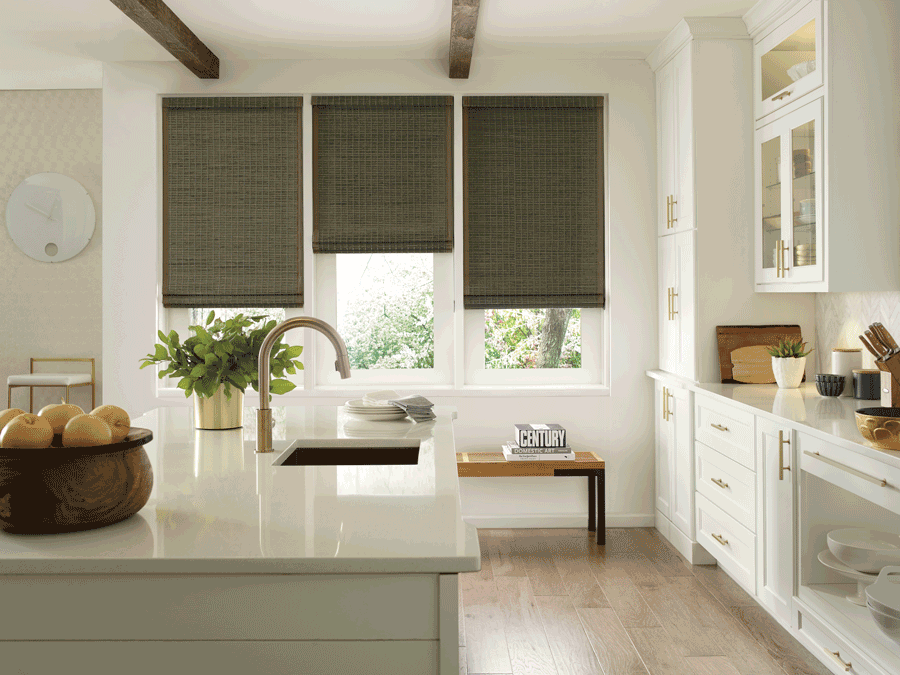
(37, 210)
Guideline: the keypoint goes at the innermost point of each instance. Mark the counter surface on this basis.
(218, 507)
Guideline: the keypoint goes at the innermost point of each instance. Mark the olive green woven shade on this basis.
(382, 174)
(232, 227)
(533, 172)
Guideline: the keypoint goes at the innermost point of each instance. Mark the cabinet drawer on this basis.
(870, 479)
(730, 543)
(726, 484)
(725, 429)
(824, 644)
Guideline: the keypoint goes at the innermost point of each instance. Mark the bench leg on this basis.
(592, 505)
(601, 507)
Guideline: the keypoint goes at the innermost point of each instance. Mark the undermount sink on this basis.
(350, 451)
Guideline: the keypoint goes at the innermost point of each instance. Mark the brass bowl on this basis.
(880, 426)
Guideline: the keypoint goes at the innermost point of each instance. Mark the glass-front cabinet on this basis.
(788, 188)
(789, 60)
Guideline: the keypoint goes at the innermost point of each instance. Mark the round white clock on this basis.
(50, 217)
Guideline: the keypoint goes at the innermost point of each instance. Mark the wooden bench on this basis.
(494, 465)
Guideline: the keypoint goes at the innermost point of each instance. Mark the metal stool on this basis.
(67, 380)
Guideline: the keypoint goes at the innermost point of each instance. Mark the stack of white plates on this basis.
(883, 601)
(373, 413)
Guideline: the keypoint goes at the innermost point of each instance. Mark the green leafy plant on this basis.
(224, 352)
(788, 349)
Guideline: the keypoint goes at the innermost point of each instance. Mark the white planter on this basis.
(788, 372)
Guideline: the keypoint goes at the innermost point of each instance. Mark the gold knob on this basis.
(719, 539)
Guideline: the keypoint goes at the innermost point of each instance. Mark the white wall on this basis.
(50, 309)
(618, 426)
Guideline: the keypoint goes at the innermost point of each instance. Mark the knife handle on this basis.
(869, 346)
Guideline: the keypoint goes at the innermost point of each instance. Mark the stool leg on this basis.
(601, 507)
(9, 397)
(592, 505)
(93, 405)
(67, 394)
(31, 399)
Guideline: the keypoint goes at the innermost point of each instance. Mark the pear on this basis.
(8, 414)
(58, 414)
(117, 419)
(26, 431)
(84, 431)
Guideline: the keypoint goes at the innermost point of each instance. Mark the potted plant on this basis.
(788, 362)
(221, 357)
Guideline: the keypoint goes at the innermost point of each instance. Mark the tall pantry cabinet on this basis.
(704, 87)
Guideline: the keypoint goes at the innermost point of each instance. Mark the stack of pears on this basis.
(102, 426)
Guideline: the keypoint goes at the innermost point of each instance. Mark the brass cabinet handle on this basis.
(784, 248)
(674, 311)
(781, 443)
(719, 539)
(836, 657)
(849, 469)
(669, 300)
(669, 411)
(665, 402)
(781, 96)
(672, 211)
(718, 426)
(720, 483)
(668, 212)
(778, 271)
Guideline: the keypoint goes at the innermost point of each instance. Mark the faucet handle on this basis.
(264, 430)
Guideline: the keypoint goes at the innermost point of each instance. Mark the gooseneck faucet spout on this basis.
(264, 414)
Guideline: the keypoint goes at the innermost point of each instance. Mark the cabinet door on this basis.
(665, 441)
(682, 502)
(790, 243)
(665, 116)
(789, 60)
(669, 346)
(776, 532)
(683, 305)
(683, 180)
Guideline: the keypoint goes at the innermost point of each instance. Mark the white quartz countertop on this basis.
(218, 507)
(832, 419)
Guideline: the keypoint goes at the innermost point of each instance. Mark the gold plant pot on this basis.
(218, 412)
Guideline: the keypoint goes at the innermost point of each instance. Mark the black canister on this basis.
(867, 384)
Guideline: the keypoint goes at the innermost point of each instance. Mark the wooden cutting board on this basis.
(743, 358)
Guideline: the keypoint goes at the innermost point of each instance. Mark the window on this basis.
(385, 309)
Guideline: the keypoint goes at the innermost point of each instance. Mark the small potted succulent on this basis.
(788, 362)
(221, 357)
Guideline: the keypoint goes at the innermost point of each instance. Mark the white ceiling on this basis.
(47, 34)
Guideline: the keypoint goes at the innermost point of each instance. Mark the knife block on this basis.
(890, 390)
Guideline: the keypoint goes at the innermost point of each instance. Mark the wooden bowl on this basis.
(880, 426)
(58, 489)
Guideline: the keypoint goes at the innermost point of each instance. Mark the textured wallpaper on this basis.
(841, 317)
(50, 309)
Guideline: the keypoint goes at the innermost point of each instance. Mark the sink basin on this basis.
(350, 451)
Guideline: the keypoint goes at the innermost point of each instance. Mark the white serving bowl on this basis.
(865, 550)
(889, 625)
(801, 69)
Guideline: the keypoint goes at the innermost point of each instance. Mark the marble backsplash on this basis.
(841, 317)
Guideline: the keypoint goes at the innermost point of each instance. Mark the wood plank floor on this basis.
(552, 602)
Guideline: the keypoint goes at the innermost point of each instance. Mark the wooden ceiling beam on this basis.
(161, 23)
(462, 37)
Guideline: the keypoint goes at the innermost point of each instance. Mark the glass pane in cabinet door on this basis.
(788, 61)
(771, 200)
(803, 193)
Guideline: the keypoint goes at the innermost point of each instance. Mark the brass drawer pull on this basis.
(672, 211)
(849, 469)
(722, 484)
(781, 96)
(719, 427)
(781, 443)
(836, 657)
(719, 539)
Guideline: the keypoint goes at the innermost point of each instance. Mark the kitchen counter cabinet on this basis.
(243, 563)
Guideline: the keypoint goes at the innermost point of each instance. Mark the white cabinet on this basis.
(665, 441)
(776, 535)
(675, 152)
(826, 145)
(682, 466)
(677, 295)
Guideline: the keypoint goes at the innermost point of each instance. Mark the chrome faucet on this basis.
(264, 414)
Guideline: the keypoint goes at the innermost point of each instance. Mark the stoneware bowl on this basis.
(865, 550)
(57, 489)
(880, 426)
(830, 385)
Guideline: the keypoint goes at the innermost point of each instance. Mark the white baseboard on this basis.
(561, 520)
(690, 549)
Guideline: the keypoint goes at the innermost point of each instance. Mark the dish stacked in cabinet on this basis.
(726, 482)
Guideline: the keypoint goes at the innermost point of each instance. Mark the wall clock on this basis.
(50, 217)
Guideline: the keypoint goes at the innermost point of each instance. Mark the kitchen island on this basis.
(239, 564)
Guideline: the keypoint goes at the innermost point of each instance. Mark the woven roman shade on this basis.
(232, 227)
(382, 174)
(533, 193)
